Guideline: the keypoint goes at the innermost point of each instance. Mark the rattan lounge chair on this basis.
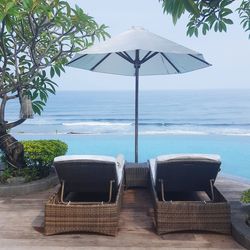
(90, 195)
(184, 194)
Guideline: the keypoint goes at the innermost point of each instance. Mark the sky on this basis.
(228, 53)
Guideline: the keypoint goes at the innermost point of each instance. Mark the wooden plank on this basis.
(21, 222)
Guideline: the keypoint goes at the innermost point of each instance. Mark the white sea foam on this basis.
(173, 132)
(95, 124)
(236, 134)
(230, 132)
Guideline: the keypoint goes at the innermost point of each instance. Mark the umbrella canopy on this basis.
(139, 52)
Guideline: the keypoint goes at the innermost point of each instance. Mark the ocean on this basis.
(170, 121)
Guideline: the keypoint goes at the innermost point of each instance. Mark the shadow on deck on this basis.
(21, 222)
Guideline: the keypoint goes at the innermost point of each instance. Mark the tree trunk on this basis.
(13, 150)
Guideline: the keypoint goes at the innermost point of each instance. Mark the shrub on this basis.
(245, 198)
(41, 153)
(39, 156)
(29, 174)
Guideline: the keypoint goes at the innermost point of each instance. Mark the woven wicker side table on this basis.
(136, 174)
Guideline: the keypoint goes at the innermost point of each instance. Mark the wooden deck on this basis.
(21, 225)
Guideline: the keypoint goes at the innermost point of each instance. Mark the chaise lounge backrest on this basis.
(89, 173)
(185, 172)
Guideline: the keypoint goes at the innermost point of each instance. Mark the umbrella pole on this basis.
(137, 66)
(136, 112)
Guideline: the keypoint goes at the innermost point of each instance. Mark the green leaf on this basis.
(68, 9)
(51, 86)
(2, 16)
(43, 73)
(52, 72)
(205, 28)
(220, 26)
(191, 7)
(35, 95)
(223, 26)
(39, 103)
(226, 12)
(196, 32)
(224, 3)
(36, 109)
(174, 7)
(227, 21)
(57, 70)
(245, 23)
(51, 91)
(214, 3)
(8, 6)
(27, 4)
(216, 26)
(191, 31)
(43, 97)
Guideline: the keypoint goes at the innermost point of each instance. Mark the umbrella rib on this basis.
(76, 59)
(170, 62)
(199, 59)
(100, 61)
(125, 57)
(130, 58)
(146, 58)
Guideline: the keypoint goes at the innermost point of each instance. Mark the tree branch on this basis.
(6, 90)
(5, 98)
(14, 124)
(2, 109)
(2, 45)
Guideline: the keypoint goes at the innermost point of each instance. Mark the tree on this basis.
(36, 35)
(205, 15)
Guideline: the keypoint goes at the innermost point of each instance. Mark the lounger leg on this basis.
(62, 192)
(212, 188)
(110, 190)
(162, 190)
(62, 195)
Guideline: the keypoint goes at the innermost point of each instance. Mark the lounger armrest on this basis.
(119, 166)
(120, 160)
(152, 166)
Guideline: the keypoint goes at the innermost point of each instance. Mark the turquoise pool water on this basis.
(234, 150)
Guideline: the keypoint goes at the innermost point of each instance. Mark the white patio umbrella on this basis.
(139, 52)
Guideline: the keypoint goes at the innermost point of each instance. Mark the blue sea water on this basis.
(171, 121)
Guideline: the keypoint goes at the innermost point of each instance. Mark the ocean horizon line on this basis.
(142, 133)
(152, 90)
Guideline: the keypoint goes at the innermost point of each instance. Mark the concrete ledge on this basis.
(240, 230)
(30, 187)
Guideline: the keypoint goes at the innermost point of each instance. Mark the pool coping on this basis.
(236, 178)
(240, 230)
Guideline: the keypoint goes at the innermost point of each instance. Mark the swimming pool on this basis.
(234, 150)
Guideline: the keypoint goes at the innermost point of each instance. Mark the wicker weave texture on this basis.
(136, 175)
(192, 215)
(185, 216)
(103, 218)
